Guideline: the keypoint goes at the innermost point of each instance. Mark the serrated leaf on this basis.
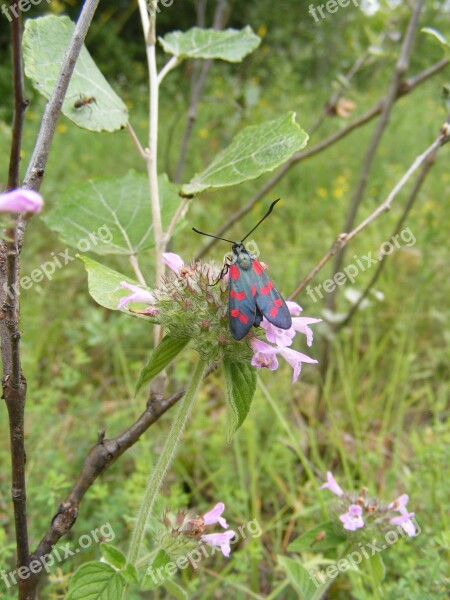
(240, 380)
(104, 286)
(111, 215)
(113, 555)
(155, 574)
(301, 580)
(45, 42)
(161, 356)
(96, 581)
(231, 45)
(255, 150)
(322, 537)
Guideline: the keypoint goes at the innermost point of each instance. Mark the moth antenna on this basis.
(212, 236)
(261, 220)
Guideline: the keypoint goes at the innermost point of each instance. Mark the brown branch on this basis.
(407, 86)
(426, 167)
(369, 159)
(101, 457)
(197, 85)
(13, 383)
(344, 238)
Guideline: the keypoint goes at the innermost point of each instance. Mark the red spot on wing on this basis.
(233, 272)
(237, 295)
(266, 289)
(234, 312)
(278, 302)
(273, 311)
(243, 318)
(253, 290)
(257, 267)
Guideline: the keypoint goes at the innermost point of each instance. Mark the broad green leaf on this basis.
(161, 356)
(375, 566)
(156, 574)
(96, 581)
(253, 151)
(230, 44)
(104, 286)
(240, 380)
(175, 590)
(130, 574)
(304, 584)
(45, 43)
(113, 555)
(111, 215)
(322, 537)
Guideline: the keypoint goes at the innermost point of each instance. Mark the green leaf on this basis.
(155, 574)
(104, 286)
(161, 356)
(111, 215)
(438, 36)
(45, 42)
(113, 556)
(240, 380)
(130, 574)
(253, 151)
(301, 580)
(175, 590)
(230, 44)
(322, 537)
(375, 566)
(96, 581)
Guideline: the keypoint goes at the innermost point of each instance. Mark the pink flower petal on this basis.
(275, 335)
(300, 324)
(221, 540)
(332, 485)
(295, 359)
(138, 295)
(21, 200)
(400, 503)
(173, 261)
(213, 516)
(294, 308)
(265, 356)
(352, 519)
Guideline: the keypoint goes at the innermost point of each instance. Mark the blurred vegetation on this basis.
(385, 388)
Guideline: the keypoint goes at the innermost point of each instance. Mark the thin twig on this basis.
(426, 167)
(197, 86)
(406, 87)
(136, 141)
(344, 238)
(136, 268)
(369, 159)
(176, 217)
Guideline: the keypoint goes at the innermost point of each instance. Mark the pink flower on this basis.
(294, 308)
(213, 516)
(352, 519)
(221, 540)
(295, 359)
(138, 295)
(405, 517)
(332, 485)
(173, 261)
(300, 324)
(265, 356)
(275, 335)
(21, 200)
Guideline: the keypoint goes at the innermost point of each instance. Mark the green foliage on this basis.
(255, 150)
(230, 45)
(160, 358)
(45, 43)
(96, 581)
(240, 381)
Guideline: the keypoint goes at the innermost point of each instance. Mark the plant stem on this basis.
(163, 464)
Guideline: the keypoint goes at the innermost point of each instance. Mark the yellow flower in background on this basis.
(203, 133)
(62, 128)
(262, 30)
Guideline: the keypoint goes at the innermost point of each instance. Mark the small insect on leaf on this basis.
(84, 101)
(252, 295)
